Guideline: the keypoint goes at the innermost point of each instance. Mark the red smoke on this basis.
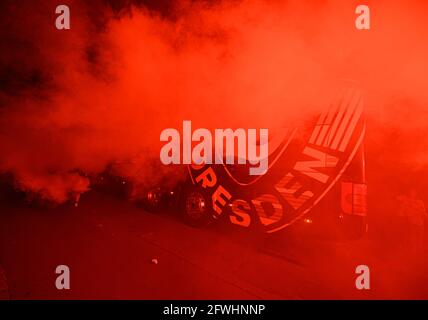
(75, 102)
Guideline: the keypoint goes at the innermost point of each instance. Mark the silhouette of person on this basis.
(412, 209)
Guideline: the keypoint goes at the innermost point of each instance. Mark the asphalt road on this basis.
(110, 245)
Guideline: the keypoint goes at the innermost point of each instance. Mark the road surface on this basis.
(111, 247)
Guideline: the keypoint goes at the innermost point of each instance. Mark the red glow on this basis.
(76, 104)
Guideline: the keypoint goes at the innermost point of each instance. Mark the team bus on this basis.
(315, 181)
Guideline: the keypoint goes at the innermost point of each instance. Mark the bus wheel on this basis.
(196, 208)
